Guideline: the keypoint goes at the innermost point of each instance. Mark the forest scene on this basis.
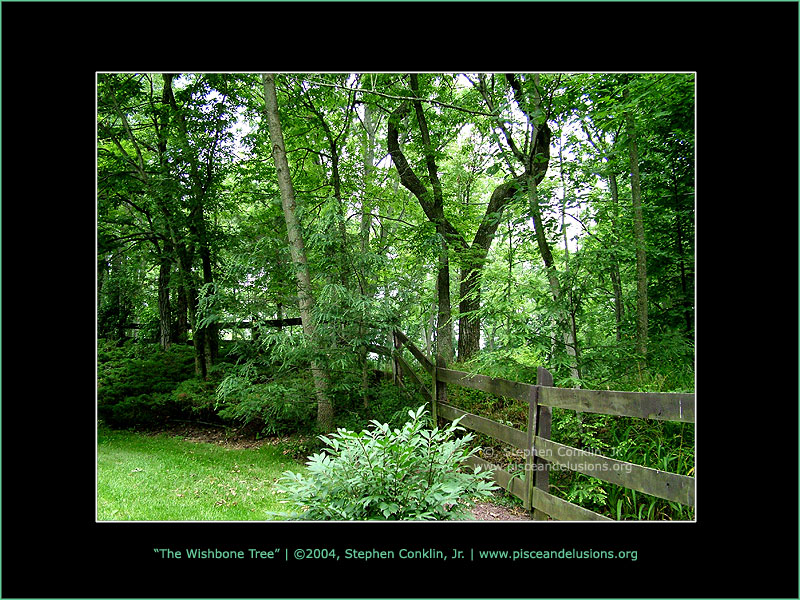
(262, 238)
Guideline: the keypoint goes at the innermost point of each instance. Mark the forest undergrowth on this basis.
(144, 388)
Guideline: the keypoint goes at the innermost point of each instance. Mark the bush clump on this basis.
(135, 382)
(278, 407)
(413, 473)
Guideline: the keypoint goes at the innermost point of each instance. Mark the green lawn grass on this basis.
(165, 478)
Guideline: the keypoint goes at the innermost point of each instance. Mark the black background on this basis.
(744, 543)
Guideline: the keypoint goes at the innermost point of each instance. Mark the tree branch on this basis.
(410, 180)
(405, 98)
(501, 196)
(430, 161)
(486, 98)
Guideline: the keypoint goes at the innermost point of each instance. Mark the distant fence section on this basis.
(231, 325)
(539, 450)
(241, 324)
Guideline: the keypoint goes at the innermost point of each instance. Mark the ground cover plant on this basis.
(411, 473)
(140, 384)
(163, 477)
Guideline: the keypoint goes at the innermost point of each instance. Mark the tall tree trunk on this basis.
(616, 280)
(198, 341)
(473, 258)
(180, 326)
(444, 318)
(685, 300)
(638, 232)
(296, 247)
(432, 204)
(469, 321)
(198, 338)
(187, 316)
(164, 308)
(535, 164)
(210, 331)
(552, 274)
(444, 334)
(205, 339)
(571, 332)
(365, 276)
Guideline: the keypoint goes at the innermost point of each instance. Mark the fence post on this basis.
(530, 474)
(438, 389)
(434, 397)
(441, 386)
(544, 419)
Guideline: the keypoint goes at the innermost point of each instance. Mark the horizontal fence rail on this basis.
(644, 405)
(540, 451)
(492, 385)
(504, 433)
(666, 485)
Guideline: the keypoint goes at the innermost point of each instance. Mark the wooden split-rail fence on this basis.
(539, 450)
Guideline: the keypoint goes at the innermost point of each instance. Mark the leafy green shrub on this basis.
(284, 406)
(192, 399)
(195, 398)
(380, 473)
(134, 382)
(516, 364)
(136, 368)
(143, 410)
(385, 402)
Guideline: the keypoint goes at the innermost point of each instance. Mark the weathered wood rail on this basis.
(539, 450)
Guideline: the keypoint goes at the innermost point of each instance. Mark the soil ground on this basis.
(486, 511)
